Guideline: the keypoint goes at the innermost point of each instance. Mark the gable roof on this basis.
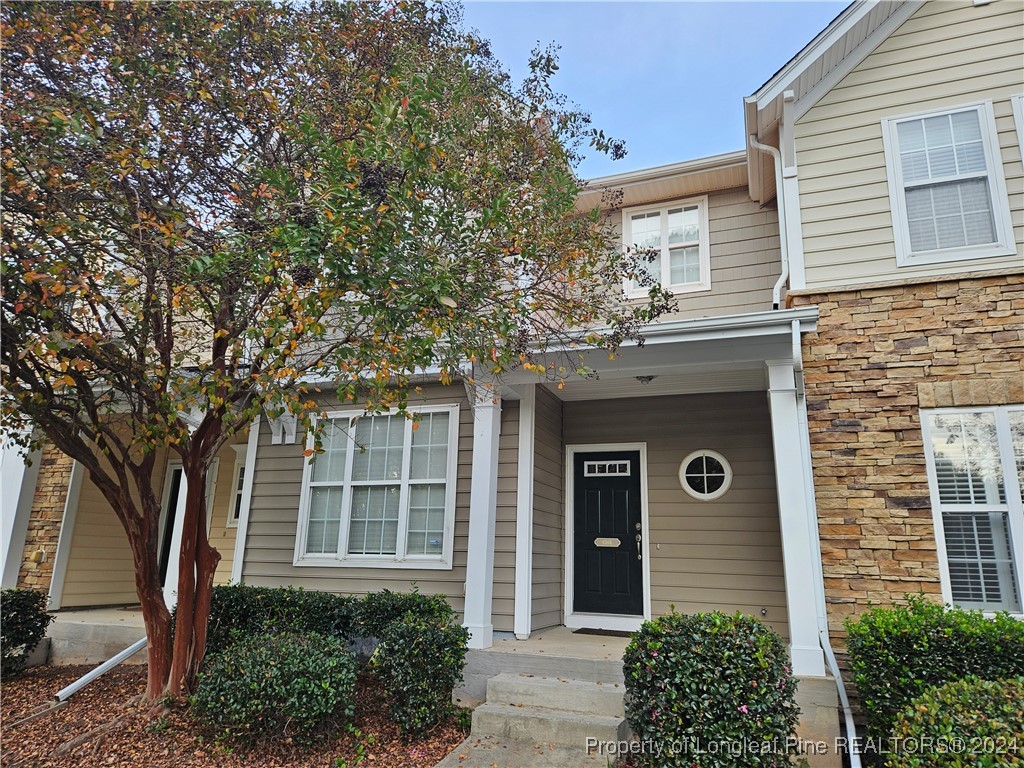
(848, 39)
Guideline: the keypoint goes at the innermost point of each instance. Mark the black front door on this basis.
(607, 569)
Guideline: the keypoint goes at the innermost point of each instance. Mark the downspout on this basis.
(819, 584)
(783, 234)
(65, 693)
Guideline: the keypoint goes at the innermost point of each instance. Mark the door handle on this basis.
(638, 555)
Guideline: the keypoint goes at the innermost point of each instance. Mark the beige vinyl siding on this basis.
(503, 597)
(274, 512)
(724, 554)
(100, 569)
(548, 496)
(946, 55)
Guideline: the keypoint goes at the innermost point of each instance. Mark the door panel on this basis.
(608, 572)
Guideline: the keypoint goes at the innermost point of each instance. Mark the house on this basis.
(834, 416)
(901, 134)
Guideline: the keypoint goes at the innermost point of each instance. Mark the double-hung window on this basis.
(673, 242)
(946, 186)
(381, 492)
(975, 471)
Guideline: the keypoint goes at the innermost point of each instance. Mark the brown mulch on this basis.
(135, 737)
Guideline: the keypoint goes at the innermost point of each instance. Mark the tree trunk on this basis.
(197, 565)
(142, 531)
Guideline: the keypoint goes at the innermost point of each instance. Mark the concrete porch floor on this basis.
(93, 635)
(562, 641)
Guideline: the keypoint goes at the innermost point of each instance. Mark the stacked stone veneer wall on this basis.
(45, 519)
(880, 355)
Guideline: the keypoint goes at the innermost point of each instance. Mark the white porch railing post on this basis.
(795, 509)
(483, 497)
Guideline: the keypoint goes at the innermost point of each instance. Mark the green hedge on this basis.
(273, 687)
(238, 612)
(24, 624)
(418, 662)
(897, 652)
(711, 690)
(970, 723)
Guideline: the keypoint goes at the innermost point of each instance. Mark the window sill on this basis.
(382, 564)
(971, 253)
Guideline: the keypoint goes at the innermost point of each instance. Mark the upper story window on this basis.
(382, 492)
(975, 461)
(678, 233)
(946, 186)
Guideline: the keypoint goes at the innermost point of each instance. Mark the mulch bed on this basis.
(138, 738)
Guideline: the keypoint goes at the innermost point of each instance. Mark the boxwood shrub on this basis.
(897, 652)
(272, 687)
(418, 662)
(712, 690)
(969, 722)
(378, 610)
(24, 624)
(240, 611)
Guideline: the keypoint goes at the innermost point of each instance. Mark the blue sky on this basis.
(668, 77)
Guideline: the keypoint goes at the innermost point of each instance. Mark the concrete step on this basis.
(481, 666)
(81, 643)
(556, 693)
(534, 725)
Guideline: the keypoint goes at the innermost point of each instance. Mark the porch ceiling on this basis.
(612, 387)
(714, 354)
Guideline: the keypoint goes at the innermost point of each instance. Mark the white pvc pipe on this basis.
(783, 233)
(65, 693)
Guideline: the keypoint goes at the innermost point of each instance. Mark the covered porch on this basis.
(714, 404)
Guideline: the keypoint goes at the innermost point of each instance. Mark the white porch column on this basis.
(242, 532)
(524, 513)
(796, 509)
(67, 530)
(483, 497)
(18, 481)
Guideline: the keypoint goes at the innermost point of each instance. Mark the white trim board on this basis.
(242, 529)
(67, 532)
(592, 620)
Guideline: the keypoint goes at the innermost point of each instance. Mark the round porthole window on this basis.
(705, 475)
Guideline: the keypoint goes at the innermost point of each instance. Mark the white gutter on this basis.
(783, 234)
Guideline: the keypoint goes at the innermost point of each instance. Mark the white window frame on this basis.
(1004, 245)
(631, 289)
(400, 559)
(241, 451)
(1011, 487)
(726, 483)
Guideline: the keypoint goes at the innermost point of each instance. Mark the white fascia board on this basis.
(698, 165)
(778, 321)
(832, 35)
(791, 71)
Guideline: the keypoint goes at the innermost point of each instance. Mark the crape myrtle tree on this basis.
(211, 209)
